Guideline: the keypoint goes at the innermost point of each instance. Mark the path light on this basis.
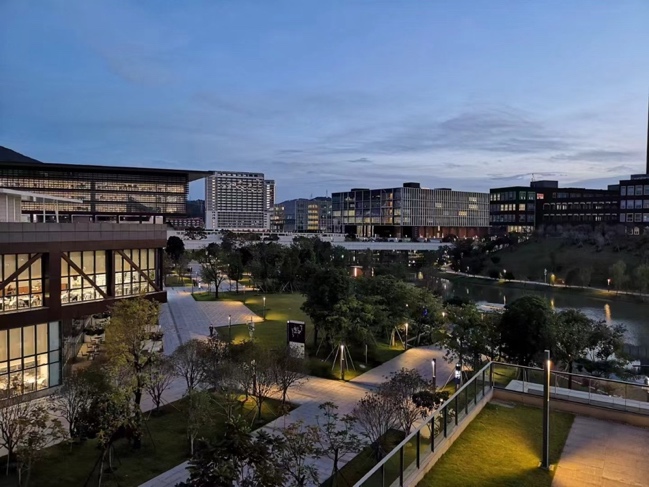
(230, 328)
(342, 366)
(433, 363)
(608, 284)
(405, 345)
(264, 315)
(545, 461)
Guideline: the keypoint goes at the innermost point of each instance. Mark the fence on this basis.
(585, 389)
(413, 454)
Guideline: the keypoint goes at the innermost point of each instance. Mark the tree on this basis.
(195, 233)
(618, 275)
(375, 416)
(213, 266)
(237, 458)
(39, 431)
(289, 371)
(641, 274)
(132, 320)
(326, 288)
(199, 415)
(299, 444)
(188, 361)
(337, 435)
(350, 322)
(175, 248)
(235, 267)
(73, 400)
(14, 408)
(161, 375)
(574, 336)
(401, 388)
(264, 378)
(526, 327)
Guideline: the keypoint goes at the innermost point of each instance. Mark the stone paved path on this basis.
(345, 394)
(603, 454)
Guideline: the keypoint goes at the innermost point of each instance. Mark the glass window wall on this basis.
(25, 290)
(29, 358)
(128, 280)
(76, 288)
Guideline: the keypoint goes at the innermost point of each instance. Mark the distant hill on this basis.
(8, 155)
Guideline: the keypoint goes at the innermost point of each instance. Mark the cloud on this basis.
(527, 176)
(600, 155)
(360, 160)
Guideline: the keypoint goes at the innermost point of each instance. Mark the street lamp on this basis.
(230, 328)
(405, 345)
(264, 299)
(433, 363)
(342, 366)
(608, 284)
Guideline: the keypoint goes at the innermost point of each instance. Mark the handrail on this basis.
(414, 433)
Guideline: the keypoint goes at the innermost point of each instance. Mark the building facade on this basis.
(634, 203)
(56, 280)
(522, 209)
(104, 193)
(185, 223)
(303, 216)
(410, 212)
(238, 201)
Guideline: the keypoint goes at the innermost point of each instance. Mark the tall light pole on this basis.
(545, 462)
(230, 328)
(434, 365)
(405, 345)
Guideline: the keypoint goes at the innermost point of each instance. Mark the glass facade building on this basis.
(67, 274)
(410, 212)
(107, 193)
(302, 216)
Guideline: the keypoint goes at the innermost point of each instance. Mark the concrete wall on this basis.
(15, 233)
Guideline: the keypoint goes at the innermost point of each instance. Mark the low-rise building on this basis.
(302, 216)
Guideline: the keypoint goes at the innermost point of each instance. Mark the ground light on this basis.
(230, 328)
(264, 315)
(433, 363)
(405, 345)
(342, 358)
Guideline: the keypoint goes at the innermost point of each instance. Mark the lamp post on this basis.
(191, 276)
(608, 284)
(458, 375)
(433, 363)
(264, 300)
(342, 365)
(545, 462)
(545, 275)
(405, 345)
(230, 328)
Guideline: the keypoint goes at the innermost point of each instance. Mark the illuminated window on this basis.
(74, 286)
(25, 290)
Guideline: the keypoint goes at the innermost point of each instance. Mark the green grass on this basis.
(164, 448)
(501, 447)
(175, 281)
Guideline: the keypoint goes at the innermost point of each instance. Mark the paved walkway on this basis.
(603, 454)
(345, 394)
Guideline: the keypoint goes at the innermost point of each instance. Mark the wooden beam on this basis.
(20, 270)
(140, 271)
(83, 274)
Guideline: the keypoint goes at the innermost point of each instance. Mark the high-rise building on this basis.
(410, 212)
(302, 215)
(238, 201)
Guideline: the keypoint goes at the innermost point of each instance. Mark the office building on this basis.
(238, 201)
(102, 193)
(634, 203)
(303, 216)
(185, 223)
(522, 209)
(410, 212)
(57, 280)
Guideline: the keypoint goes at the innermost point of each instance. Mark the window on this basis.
(638, 204)
(646, 189)
(623, 190)
(645, 218)
(25, 290)
(521, 207)
(630, 191)
(76, 288)
(623, 204)
(622, 218)
(129, 280)
(629, 217)
(637, 217)
(638, 190)
(29, 358)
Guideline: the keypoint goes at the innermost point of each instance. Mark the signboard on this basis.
(296, 338)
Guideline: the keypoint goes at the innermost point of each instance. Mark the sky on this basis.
(323, 96)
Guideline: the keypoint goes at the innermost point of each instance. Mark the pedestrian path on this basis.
(602, 453)
(344, 394)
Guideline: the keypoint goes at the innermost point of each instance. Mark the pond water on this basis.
(633, 315)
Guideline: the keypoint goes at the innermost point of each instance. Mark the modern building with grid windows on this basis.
(238, 201)
(410, 212)
(302, 216)
(57, 282)
(103, 193)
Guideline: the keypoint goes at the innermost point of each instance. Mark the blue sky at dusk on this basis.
(324, 96)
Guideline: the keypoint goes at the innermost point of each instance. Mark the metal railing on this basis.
(413, 452)
(585, 389)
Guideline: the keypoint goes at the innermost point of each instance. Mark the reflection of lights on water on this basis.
(607, 312)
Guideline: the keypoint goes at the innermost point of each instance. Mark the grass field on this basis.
(175, 281)
(272, 333)
(528, 260)
(165, 447)
(501, 447)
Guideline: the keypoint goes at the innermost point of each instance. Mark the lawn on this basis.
(501, 447)
(272, 333)
(175, 281)
(164, 445)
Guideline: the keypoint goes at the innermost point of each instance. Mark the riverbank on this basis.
(596, 293)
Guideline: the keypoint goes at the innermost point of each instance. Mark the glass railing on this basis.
(585, 389)
(413, 452)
